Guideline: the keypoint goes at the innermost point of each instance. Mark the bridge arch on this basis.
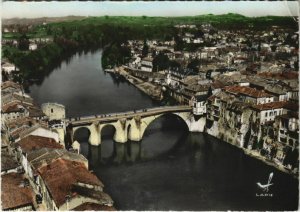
(84, 131)
(105, 130)
(120, 127)
(145, 122)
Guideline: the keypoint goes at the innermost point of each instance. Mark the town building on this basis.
(147, 64)
(67, 184)
(54, 111)
(16, 193)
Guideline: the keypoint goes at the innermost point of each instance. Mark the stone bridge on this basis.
(132, 124)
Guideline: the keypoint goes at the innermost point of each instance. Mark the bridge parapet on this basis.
(127, 114)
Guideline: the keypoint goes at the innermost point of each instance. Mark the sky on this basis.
(12, 9)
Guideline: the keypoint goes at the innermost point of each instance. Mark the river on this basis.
(170, 169)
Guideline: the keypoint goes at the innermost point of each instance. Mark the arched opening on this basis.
(107, 141)
(162, 135)
(82, 136)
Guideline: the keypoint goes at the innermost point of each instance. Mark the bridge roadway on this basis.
(129, 114)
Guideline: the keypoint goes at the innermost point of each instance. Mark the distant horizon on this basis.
(53, 9)
(88, 16)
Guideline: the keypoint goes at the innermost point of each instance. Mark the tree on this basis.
(160, 62)
(145, 49)
(179, 44)
(174, 64)
(209, 92)
(23, 43)
(194, 65)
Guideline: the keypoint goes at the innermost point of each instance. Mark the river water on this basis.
(170, 169)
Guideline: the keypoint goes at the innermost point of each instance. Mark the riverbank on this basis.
(154, 91)
(280, 167)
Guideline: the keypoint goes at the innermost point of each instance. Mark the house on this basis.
(32, 46)
(147, 64)
(16, 193)
(11, 87)
(54, 111)
(268, 111)
(198, 103)
(288, 129)
(88, 206)
(33, 142)
(9, 164)
(9, 68)
(250, 95)
(44, 132)
(22, 127)
(68, 184)
(13, 111)
(44, 156)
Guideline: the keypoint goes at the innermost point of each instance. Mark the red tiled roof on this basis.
(88, 206)
(33, 142)
(8, 161)
(61, 174)
(7, 84)
(13, 195)
(277, 105)
(12, 107)
(217, 84)
(280, 75)
(247, 91)
(15, 123)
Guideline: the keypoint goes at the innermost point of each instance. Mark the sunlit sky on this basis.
(58, 9)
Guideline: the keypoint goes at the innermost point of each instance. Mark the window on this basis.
(266, 114)
(271, 114)
(275, 113)
(51, 110)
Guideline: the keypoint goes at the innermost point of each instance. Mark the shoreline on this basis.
(153, 91)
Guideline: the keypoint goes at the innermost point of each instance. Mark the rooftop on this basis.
(61, 175)
(88, 206)
(11, 84)
(102, 197)
(33, 142)
(45, 156)
(8, 161)
(12, 107)
(13, 192)
(244, 90)
(147, 59)
(276, 105)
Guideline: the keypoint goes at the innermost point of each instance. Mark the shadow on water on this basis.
(162, 137)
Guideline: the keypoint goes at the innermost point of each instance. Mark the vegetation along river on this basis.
(170, 169)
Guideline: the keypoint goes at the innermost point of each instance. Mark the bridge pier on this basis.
(94, 138)
(134, 133)
(121, 131)
(61, 135)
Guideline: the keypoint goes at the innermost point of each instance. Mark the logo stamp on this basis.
(264, 188)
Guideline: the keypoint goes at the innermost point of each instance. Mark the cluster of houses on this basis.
(37, 171)
(258, 115)
(245, 83)
(219, 47)
(33, 43)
